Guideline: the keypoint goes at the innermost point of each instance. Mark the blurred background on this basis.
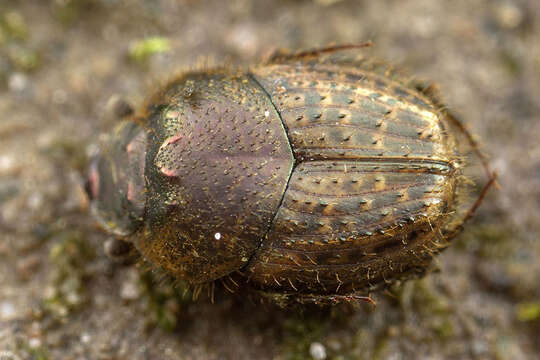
(64, 62)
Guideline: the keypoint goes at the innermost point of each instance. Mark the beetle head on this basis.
(116, 183)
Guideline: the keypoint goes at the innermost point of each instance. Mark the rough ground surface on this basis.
(61, 62)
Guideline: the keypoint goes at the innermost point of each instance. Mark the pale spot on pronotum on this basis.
(217, 236)
(163, 151)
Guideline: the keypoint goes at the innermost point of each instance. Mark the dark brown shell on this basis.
(374, 182)
(312, 176)
(217, 166)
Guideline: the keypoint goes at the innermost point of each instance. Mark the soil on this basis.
(64, 62)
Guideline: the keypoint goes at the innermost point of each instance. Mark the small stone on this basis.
(17, 82)
(509, 16)
(85, 338)
(7, 311)
(35, 201)
(317, 351)
(34, 343)
(7, 163)
(73, 299)
(243, 38)
(479, 347)
(130, 289)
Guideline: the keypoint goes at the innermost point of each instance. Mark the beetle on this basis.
(315, 176)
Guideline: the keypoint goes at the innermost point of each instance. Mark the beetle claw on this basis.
(118, 250)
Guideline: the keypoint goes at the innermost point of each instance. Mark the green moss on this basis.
(363, 345)
(427, 300)
(488, 241)
(13, 26)
(300, 331)
(13, 34)
(67, 12)
(33, 352)
(433, 308)
(141, 50)
(24, 59)
(3, 38)
(39, 354)
(444, 328)
(8, 189)
(165, 300)
(510, 63)
(528, 311)
(380, 345)
(69, 256)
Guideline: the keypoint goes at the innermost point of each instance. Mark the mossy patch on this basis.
(67, 12)
(69, 256)
(35, 353)
(165, 300)
(13, 26)
(434, 308)
(23, 58)
(487, 241)
(140, 51)
(528, 311)
(14, 48)
(300, 331)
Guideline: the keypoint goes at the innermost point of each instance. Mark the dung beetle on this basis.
(316, 176)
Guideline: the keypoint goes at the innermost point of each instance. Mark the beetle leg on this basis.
(491, 175)
(280, 55)
(120, 250)
(333, 299)
(287, 299)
